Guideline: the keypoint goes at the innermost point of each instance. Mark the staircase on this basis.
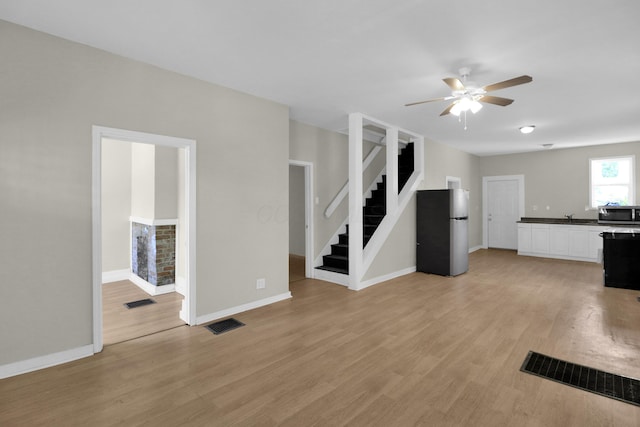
(374, 211)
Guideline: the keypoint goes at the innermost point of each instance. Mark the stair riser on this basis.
(336, 263)
(339, 250)
(375, 210)
(373, 219)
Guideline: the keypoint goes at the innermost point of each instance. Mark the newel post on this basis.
(355, 199)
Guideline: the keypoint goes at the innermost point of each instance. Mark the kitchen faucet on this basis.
(569, 217)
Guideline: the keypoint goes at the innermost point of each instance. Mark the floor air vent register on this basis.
(139, 303)
(599, 382)
(224, 326)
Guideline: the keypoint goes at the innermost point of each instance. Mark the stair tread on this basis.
(333, 269)
(337, 257)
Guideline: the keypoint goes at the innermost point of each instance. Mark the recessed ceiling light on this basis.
(527, 129)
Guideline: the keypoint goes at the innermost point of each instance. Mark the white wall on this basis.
(116, 204)
(55, 91)
(166, 183)
(143, 180)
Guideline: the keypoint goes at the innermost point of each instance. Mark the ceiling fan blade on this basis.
(424, 102)
(448, 109)
(508, 83)
(495, 100)
(454, 83)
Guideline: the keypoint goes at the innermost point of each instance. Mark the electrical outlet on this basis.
(261, 283)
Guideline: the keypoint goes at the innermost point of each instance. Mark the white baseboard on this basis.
(240, 308)
(476, 248)
(115, 275)
(330, 276)
(41, 362)
(151, 289)
(384, 278)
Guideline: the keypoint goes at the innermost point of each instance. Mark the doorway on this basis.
(188, 229)
(502, 208)
(141, 251)
(301, 219)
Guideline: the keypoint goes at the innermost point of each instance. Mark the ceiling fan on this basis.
(467, 95)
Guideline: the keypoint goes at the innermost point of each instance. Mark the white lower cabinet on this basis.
(540, 238)
(524, 238)
(558, 240)
(595, 243)
(577, 242)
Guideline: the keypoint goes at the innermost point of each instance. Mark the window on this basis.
(612, 181)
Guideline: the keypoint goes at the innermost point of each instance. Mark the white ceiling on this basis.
(328, 58)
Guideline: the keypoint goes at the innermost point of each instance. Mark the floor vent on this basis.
(603, 383)
(139, 303)
(224, 326)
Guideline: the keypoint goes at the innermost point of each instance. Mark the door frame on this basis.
(308, 213)
(485, 216)
(188, 312)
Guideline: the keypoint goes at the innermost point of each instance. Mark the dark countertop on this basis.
(562, 221)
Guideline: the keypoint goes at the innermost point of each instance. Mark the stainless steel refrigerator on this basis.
(442, 227)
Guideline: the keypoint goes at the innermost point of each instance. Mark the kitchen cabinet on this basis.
(595, 243)
(540, 238)
(558, 240)
(579, 242)
(524, 238)
(574, 242)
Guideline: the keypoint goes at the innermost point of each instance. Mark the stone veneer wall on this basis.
(153, 254)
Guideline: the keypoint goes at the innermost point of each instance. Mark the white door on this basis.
(502, 213)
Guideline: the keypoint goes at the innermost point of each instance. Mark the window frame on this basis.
(632, 177)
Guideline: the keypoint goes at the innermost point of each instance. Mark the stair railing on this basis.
(360, 259)
(345, 188)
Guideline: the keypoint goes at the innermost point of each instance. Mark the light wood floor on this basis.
(122, 324)
(296, 268)
(417, 350)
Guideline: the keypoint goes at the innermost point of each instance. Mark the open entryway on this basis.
(300, 220)
(502, 207)
(154, 273)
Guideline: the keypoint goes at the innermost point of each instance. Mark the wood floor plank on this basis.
(416, 350)
(122, 324)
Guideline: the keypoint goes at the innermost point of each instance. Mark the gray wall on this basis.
(557, 178)
(296, 211)
(441, 161)
(52, 93)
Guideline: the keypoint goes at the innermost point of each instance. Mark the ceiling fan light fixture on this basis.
(475, 106)
(527, 129)
(456, 109)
